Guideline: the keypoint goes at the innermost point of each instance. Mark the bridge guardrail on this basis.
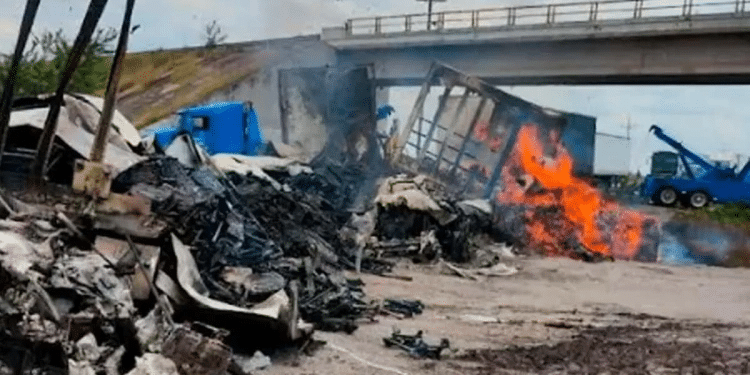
(543, 15)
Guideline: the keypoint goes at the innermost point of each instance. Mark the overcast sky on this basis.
(710, 119)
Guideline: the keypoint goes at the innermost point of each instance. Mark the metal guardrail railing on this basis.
(591, 12)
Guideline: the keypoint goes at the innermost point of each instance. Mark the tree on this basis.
(213, 35)
(45, 58)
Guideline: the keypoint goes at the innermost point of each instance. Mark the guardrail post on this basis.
(739, 7)
(687, 8)
(441, 21)
(407, 23)
(511, 16)
(550, 16)
(348, 27)
(638, 10)
(377, 25)
(474, 19)
(593, 11)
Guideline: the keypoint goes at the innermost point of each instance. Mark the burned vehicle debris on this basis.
(228, 235)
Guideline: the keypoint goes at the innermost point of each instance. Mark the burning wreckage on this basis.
(189, 269)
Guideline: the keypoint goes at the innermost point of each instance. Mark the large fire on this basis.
(580, 211)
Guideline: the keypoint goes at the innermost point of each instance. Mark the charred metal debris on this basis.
(415, 345)
(190, 265)
(216, 259)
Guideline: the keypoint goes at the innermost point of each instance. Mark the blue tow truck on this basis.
(223, 127)
(701, 182)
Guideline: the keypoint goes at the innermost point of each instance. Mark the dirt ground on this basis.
(556, 316)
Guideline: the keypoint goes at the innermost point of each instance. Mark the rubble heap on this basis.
(251, 239)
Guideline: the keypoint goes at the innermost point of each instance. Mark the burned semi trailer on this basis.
(471, 135)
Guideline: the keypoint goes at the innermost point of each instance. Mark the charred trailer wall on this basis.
(469, 139)
(326, 107)
(330, 112)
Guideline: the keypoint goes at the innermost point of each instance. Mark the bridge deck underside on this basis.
(687, 59)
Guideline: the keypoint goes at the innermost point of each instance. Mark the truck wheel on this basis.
(667, 196)
(698, 199)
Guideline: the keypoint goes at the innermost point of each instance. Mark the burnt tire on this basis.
(698, 199)
(666, 196)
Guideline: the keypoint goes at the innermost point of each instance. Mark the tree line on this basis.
(47, 53)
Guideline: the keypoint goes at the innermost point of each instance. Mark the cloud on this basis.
(8, 34)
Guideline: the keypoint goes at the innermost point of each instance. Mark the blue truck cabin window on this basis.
(200, 123)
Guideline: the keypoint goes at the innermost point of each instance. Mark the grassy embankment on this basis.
(155, 84)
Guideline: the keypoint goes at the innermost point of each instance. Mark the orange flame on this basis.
(582, 207)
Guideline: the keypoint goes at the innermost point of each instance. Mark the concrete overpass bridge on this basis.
(594, 42)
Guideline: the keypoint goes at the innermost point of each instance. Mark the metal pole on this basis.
(451, 128)
(94, 12)
(415, 112)
(110, 97)
(429, 14)
(435, 122)
(429, 11)
(468, 135)
(5, 103)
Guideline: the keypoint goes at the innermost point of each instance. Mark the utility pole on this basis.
(628, 126)
(429, 10)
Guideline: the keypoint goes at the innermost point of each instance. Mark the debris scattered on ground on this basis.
(153, 364)
(498, 270)
(198, 349)
(406, 308)
(248, 364)
(415, 345)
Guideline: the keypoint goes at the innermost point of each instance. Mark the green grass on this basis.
(193, 73)
(736, 215)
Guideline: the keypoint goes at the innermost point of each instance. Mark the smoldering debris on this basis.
(251, 240)
(687, 243)
(242, 261)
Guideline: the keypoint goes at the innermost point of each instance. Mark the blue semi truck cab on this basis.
(223, 127)
(701, 183)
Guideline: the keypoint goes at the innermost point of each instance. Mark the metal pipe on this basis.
(110, 97)
(419, 135)
(10, 81)
(94, 12)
